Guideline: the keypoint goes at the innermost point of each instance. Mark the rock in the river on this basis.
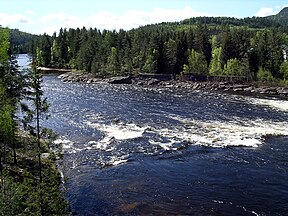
(153, 81)
(120, 80)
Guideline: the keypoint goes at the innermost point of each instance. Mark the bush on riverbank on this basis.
(22, 193)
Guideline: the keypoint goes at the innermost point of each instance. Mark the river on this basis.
(130, 150)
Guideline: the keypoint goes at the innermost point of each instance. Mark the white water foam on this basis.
(117, 161)
(103, 144)
(280, 105)
(116, 131)
(66, 144)
(114, 161)
(240, 132)
(164, 145)
(119, 131)
(236, 132)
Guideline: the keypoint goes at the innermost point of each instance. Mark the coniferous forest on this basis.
(252, 47)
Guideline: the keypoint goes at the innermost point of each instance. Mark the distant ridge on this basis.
(281, 17)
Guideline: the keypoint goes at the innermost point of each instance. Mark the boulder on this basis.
(153, 82)
(120, 80)
(283, 92)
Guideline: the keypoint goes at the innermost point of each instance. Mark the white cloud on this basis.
(30, 12)
(265, 11)
(106, 20)
(53, 22)
(6, 19)
(59, 17)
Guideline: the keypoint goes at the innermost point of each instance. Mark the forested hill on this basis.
(20, 42)
(281, 17)
(278, 20)
(218, 46)
(250, 22)
(255, 48)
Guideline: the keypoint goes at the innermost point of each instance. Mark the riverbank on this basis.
(233, 87)
(22, 192)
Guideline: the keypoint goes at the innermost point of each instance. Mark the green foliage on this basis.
(151, 64)
(23, 190)
(6, 123)
(20, 42)
(28, 197)
(11, 197)
(162, 48)
(56, 55)
(197, 64)
(113, 65)
(170, 49)
(39, 57)
(215, 64)
(268, 51)
(4, 45)
(264, 75)
(280, 18)
(234, 68)
(253, 22)
(284, 70)
(202, 41)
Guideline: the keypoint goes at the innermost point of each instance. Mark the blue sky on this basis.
(47, 16)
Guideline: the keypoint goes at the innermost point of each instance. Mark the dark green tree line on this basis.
(158, 49)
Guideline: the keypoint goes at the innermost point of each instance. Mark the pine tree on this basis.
(35, 113)
(201, 43)
(11, 83)
(4, 45)
(151, 62)
(228, 46)
(113, 65)
(170, 48)
(56, 54)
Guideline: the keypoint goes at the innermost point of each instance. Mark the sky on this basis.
(48, 16)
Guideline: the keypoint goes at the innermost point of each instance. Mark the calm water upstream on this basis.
(131, 150)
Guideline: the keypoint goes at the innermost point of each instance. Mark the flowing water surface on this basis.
(131, 150)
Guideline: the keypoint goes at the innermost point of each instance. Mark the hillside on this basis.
(20, 41)
(281, 17)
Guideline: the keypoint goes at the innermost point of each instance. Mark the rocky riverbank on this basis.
(234, 87)
(229, 87)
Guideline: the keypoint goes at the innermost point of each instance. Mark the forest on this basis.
(29, 182)
(252, 47)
